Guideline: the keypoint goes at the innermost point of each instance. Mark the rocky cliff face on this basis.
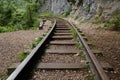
(84, 9)
(55, 6)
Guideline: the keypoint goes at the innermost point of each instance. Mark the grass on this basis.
(45, 33)
(75, 36)
(79, 46)
(112, 25)
(50, 14)
(82, 55)
(36, 42)
(90, 75)
(23, 55)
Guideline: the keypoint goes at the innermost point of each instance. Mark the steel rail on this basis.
(20, 70)
(92, 61)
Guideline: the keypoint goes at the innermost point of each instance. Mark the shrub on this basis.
(7, 29)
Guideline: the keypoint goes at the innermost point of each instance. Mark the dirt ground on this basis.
(12, 43)
(106, 41)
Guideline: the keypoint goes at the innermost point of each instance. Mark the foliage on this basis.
(76, 17)
(42, 2)
(112, 25)
(44, 34)
(18, 13)
(116, 14)
(67, 11)
(88, 8)
(91, 76)
(50, 14)
(75, 36)
(7, 29)
(23, 55)
(36, 42)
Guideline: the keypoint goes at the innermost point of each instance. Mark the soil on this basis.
(106, 41)
(12, 43)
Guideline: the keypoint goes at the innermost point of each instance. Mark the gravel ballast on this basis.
(59, 75)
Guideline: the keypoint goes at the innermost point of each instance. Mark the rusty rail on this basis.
(92, 61)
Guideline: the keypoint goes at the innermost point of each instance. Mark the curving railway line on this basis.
(63, 54)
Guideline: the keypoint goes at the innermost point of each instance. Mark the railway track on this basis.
(62, 54)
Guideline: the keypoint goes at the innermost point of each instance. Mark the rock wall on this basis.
(84, 9)
(55, 6)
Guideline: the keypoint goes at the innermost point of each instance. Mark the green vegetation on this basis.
(97, 20)
(82, 55)
(50, 14)
(88, 8)
(76, 17)
(113, 24)
(18, 14)
(7, 29)
(75, 36)
(91, 75)
(79, 46)
(36, 42)
(67, 11)
(44, 34)
(23, 55)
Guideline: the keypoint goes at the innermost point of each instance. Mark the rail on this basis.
(92, 61)
(24, 66)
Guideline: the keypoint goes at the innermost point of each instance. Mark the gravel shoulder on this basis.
(106, 41)
(12, 43)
